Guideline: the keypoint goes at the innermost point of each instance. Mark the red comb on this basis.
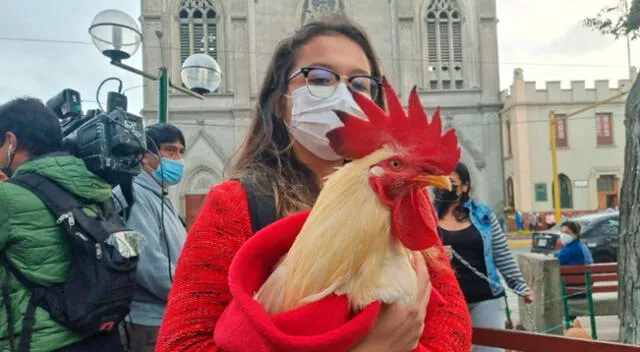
(412, 134)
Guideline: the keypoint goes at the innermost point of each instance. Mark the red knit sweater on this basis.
(200, 290)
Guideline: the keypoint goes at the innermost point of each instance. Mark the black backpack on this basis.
(262, 205)
(99, 288)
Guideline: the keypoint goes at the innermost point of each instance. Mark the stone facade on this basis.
(590, 158)
(448, 48)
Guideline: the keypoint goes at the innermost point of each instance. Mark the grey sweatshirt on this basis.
(154, 283)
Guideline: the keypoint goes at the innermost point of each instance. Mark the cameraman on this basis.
(30, 240)
(153, 215)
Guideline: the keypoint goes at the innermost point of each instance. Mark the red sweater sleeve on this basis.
(448, 327)
(200, 291)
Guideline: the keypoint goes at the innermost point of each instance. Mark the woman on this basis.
(472, 230)
(519, 221)
(286, 159)
(574, 252)
(550, 219)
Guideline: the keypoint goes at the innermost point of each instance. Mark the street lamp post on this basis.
(117, 36)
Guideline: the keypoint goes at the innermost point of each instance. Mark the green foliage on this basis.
(617, 20)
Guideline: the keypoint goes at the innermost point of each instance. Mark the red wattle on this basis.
(414, 221)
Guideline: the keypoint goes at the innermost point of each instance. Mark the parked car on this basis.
(599, 233)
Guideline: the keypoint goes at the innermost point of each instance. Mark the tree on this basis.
(629, 246)
(618, 21)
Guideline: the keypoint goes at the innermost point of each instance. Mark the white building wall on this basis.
(583, 161)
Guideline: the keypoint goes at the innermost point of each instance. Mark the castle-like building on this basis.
(590, 146)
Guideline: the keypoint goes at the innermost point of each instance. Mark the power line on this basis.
(544, 64)
(453, 124)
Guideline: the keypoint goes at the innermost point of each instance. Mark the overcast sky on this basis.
(543, 37)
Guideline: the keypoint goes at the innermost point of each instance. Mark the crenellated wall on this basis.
(553, 93)
(583, 160)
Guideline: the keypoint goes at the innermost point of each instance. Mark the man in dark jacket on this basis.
(31, 142)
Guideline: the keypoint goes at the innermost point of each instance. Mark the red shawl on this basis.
(320, 326)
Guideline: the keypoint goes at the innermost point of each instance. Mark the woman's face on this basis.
(339, 54)
(567, 230)
(460, 188)
(336, 52)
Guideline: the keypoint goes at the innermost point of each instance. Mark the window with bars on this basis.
(606, 183)
(561, 131)
(541, 192)
(604, 132)
(198, 28)
(444, 45)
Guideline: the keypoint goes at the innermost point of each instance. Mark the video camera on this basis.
(110, 143)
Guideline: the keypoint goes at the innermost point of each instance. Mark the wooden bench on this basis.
(531, 342)
(599, 285)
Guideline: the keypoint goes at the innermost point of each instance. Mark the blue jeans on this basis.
(487, 314)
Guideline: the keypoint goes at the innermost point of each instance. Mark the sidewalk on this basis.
(519, 236)
(517, 240)
(519, 243)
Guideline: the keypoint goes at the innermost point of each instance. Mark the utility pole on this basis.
(625, 4)
(553, 133)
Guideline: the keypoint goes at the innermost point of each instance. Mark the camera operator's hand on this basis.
(3, 177)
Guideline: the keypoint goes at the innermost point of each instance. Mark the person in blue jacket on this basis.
(519, 221)
(574, 252)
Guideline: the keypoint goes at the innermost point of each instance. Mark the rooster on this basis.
(372, 214)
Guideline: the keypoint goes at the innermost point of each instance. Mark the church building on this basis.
(447, 48)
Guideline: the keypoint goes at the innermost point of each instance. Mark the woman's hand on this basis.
(448, 252)
(399, 328)
(529, 297)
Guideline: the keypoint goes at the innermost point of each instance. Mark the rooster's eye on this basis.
(396, 164)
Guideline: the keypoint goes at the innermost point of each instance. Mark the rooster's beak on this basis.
(443, 182)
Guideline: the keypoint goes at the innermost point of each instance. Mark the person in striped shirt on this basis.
(479, 251)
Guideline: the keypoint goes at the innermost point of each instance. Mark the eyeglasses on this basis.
(322, 82)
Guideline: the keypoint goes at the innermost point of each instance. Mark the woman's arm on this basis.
(200, 291)
(504, 259)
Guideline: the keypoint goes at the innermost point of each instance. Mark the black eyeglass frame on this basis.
(306, 69)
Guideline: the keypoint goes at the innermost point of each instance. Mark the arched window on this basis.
(566, 196)
(444, 45)
(311, 9)
(511, 202)
(198, 29)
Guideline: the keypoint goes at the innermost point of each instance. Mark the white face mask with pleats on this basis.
(566, 238)
(312, 118)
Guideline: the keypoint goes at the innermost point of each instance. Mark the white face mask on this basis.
(312, 118)
(565, 238)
